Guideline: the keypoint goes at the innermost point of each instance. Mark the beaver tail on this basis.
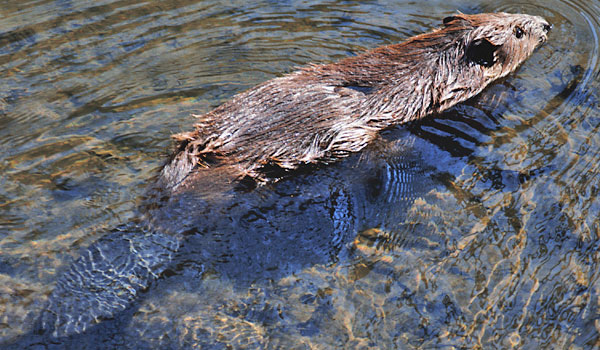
(106, 278)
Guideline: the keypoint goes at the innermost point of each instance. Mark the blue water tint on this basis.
(476, 228)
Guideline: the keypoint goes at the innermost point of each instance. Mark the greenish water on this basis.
(493, 243)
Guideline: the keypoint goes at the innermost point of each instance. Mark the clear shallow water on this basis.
(491, 240)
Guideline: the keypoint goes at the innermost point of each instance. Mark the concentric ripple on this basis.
(481, 231)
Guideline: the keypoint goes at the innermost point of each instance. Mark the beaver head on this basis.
(433, 71)
(498, 42)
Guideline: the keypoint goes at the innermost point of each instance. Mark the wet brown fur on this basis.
(322, 113)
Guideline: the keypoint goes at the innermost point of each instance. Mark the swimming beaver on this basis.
(324, 112)
(316, 115)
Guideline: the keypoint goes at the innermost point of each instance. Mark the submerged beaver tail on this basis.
(106, 278)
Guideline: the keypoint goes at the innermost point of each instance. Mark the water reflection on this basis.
(495, 244)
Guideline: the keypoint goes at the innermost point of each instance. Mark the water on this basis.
(482, 225)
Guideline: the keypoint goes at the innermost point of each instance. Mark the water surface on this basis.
(478, 228)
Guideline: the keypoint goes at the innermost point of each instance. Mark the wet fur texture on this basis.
(322, 113)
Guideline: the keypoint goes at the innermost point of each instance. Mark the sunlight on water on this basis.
(474, 229)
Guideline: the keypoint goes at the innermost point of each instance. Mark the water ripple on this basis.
(480, 231)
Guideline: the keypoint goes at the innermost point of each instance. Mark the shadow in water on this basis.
(247, 237)
(253, 237)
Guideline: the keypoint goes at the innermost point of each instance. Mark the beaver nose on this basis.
(547, 27)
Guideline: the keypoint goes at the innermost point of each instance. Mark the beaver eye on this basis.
(518, 32)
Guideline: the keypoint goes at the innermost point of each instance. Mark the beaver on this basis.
(322, 113)
(312, 117)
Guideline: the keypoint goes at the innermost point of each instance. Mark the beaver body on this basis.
(314, 116)
(324, 112)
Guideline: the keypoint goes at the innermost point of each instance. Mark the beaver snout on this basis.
(546, 27)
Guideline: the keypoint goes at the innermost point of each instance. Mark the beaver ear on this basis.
(450, 19)
(482, 52)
